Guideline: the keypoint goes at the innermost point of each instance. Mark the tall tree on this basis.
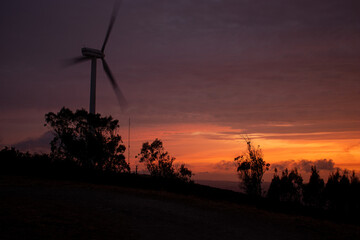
(286, 188)
(159, 162)
(274, 191)
(251, 168)
(313, 191)
(88, 139)
(337, 190)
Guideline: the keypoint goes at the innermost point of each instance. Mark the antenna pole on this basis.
(129, 144)
(93, 86)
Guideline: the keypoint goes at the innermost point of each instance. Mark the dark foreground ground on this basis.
(48, 209)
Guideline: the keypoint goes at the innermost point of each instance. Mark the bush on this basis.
(251, 168)
(160, 164)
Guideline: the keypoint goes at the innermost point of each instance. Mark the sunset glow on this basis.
(205, 147)
(199, 75)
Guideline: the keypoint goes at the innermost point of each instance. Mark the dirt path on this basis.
(36, 209)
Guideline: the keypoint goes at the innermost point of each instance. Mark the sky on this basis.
(199, 75)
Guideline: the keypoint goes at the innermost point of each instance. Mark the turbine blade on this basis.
(111, 24)
(75, 60)
(117, 90)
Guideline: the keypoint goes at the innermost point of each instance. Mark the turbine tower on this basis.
(95, 54)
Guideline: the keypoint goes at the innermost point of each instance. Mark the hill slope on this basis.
(40, 209)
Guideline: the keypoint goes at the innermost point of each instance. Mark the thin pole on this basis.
(93, 86)
(129, 144)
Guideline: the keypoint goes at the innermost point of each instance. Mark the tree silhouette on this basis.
(274, 191)
(291, 185)
(337, 190)
(251, 168)
(87, 139)
(354, 193)
(313, 191)
(184, 173)
(286, 188)
(160, 164)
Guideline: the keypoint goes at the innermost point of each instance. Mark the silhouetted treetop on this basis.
(313, 191)
(251, 168)
(287, 188)
(160, 164)
(88, 139)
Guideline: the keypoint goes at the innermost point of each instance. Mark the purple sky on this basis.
(253, 66)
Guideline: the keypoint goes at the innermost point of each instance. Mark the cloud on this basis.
(315, 133)
(224, 165)
(242, 64)
(305, 165)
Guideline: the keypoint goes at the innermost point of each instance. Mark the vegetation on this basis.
(87, 139)
(87, 146)
(13, 161)
(340, 195)
(313, 191)
(251, 168)
(342, 192)
(288, 187)
(160, 164)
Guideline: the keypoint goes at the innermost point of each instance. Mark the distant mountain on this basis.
(228, 185)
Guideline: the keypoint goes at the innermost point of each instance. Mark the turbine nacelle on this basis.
(92, 53)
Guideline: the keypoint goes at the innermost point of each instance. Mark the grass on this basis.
(40, 208)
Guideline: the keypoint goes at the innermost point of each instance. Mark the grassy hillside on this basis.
(34, 208)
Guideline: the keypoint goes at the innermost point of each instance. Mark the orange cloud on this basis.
(211, 148)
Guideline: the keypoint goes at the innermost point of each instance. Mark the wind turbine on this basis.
(94, 54)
